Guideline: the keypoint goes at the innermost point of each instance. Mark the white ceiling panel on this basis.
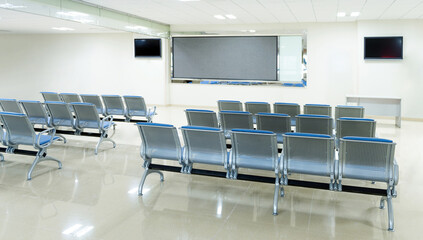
(325, 10)
(302, 10)
(400, 8)
(416, 12)
(374, 9)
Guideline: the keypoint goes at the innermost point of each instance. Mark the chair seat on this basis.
(46, 138)
(107, 124)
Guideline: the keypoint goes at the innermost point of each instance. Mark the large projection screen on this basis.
(225, 58)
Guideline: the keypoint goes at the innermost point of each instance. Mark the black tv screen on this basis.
(147, 47)
(383, 47)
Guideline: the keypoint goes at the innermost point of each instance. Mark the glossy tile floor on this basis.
(95, 197)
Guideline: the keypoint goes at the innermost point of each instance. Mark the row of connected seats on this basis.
(281, 123)
(370, 159)
(127, 106)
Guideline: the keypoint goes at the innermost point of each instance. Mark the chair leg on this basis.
(1, 158)
(62, 137)
(40, 157)
(102, 139)
(276, 196)
(32, 167)
(382, 202)
(144, 176)
(390, 214)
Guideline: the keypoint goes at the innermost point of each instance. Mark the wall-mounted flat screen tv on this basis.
(148, 47)
(383, 47)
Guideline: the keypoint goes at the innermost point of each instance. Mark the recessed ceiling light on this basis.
(73, 14)
(341, 14)
(219, 17)
(230, 16)
(62, 28)
(355, 14)
(11, 6)
(252, 31)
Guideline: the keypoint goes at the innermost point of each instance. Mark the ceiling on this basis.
(176, 12)
(19, 22)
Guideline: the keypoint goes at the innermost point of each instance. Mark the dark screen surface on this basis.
(147, 47)
(383, 47)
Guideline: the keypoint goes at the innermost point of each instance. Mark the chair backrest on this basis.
(308, 153)
(18, 128)
(229, 105)
(10, 105)
(60, 114)
(319, 124)
(292, 109)
(159, 141)
(51, 96)
(370, 159)
(86, 115)
(114, 104)
(357, 127)
(256, 107)
(36, 112)
(205, 145)
(94, 99)
(135, 106)
(70, 97)
(198, 117)
(255, 149)
(235, 119)
(349, 111)
(318, 109)
(274, 122)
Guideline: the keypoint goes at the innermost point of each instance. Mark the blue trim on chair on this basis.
(357, 119)
(110, 95)
(367, 139)
(7, 99)
(80, 103)
(257, 102)
(88, 95)
(312, 115)
(318, 105)
(132, 96)
(347, 106)
(201, 128)
(308, 135)
(283, 103)
(154, 124)
(50, 92)
(273, 114)
(12, 114)
(199, 110)
(46, 138)
(55, 102)
(240, 112)
(233, 101)
(251, 131)
(69, 94)
(29, 101)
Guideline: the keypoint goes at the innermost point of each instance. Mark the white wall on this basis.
(81, 63)
(335, 67)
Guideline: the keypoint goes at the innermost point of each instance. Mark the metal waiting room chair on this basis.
(274, 122)
(229, 105)
(96, 100)
(256, 107)
(113, 105)
(51, 97)
(319, 124)
(86, 116)
(204, 145)
(70, 97)
(18, 130)
(255, 149)
(198, 117)
(292, 109)
(10, 105)
(135, 107)
(370, 159)
(60, 115)
(235, 119)
(308, 153)
(349, 111)
(355, 127)
(318, 109)
(158, 141)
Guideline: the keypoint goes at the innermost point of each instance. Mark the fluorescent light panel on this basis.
(230, 16)
(220, 17)
(73, 14)
(11, 6)
(62, 28)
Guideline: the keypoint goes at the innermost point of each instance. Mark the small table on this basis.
(380, 106)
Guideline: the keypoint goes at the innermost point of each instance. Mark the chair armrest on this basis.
(151, 112)
(50, 132)
(108, 118)
(396, 172)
